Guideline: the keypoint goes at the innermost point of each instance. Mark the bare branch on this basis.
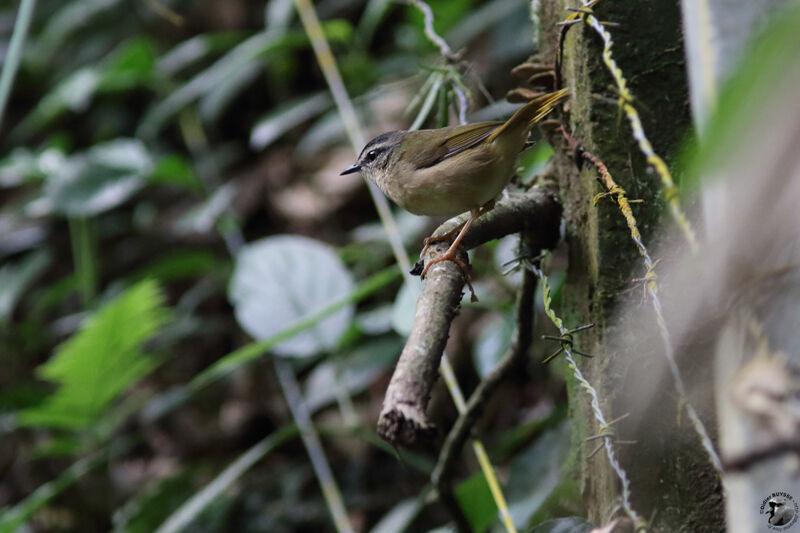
(402, 420)
(483, 392)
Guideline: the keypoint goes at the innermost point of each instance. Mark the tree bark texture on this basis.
(672, 481)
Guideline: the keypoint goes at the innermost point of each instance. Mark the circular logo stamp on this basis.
(780, 511)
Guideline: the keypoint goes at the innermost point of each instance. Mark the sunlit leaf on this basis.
(100, 179)
(280, 280)
(375, 321)
(492, 343)
(350, 374)
(190, 51)
(201, 501)
(405, 305)
(101, 360)
(202, 217)
(254, 50)
(68, 20)
(278, 14)
(217, 98)
(24, 165)
(399, 517)
(285, 117)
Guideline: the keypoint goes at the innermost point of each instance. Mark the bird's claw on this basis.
(451, 256)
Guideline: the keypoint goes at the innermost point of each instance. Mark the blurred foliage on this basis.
(168, 186)
(100, 361)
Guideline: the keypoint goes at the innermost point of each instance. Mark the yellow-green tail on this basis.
(532, 112)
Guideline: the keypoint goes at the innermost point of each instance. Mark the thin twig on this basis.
(450, 57)
(302, 417)
(430, 32)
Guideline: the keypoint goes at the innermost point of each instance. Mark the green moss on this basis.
(603, 259)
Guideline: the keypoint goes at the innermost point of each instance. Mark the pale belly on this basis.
(447, 189)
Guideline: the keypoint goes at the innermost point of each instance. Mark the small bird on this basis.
(449, 171)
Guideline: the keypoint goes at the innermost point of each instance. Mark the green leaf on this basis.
(17, 277)
(475, 499)
(253, 51)
(100, 179)
(132, 66)
(174, 170)
(534, 161)
(64, 446)
(70, 19)
(101, 360)
(540, 462)
(279, 280)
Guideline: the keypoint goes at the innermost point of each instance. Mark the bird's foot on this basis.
(433, 239)
(450, 255)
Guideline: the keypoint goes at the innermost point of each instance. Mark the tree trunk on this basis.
(672, 481)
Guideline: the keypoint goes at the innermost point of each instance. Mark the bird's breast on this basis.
(452, 186)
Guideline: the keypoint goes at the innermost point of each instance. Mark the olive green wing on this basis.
(456, 140)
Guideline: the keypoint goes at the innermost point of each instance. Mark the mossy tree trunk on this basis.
(672, 481)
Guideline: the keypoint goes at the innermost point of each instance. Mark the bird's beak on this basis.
(349, 170)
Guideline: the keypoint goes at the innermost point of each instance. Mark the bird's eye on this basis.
(371, 155)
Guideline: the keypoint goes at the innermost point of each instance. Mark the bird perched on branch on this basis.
(449, 171)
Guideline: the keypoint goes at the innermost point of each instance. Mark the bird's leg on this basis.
(433, 239)
(450, 254)
(485, 208)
